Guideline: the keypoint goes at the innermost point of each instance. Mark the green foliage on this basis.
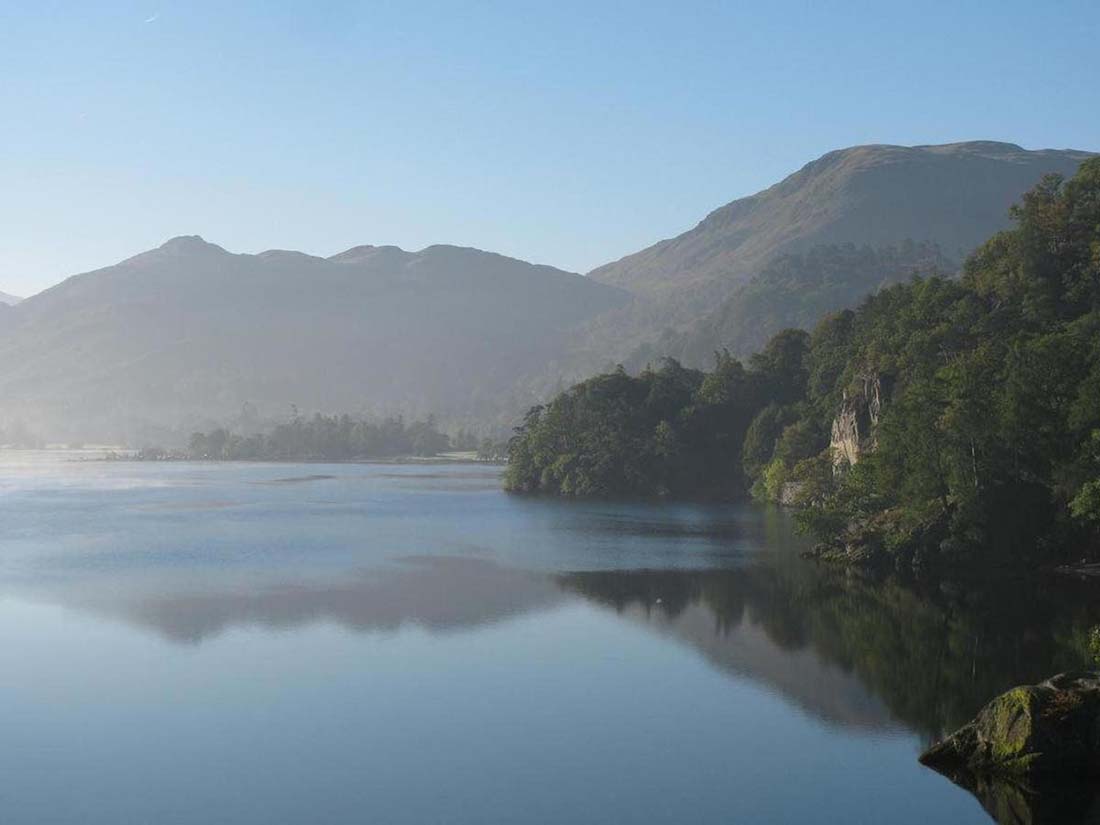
(1048, 267)
(761, 438)
(993, 389)
(667, 431)
(1086, 504)
(976, 404)
(775, 476)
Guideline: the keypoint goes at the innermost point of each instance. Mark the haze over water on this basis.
(380, 643)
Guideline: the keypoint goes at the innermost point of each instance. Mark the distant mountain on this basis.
(189, 332)
(10, 300)
(794, 290)
(876, 198)
(955, 196)
(184, 335)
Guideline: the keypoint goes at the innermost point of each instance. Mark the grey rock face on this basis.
(853, 432)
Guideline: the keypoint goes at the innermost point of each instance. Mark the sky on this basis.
(562, 133)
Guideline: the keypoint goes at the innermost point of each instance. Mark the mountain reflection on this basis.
(854, 652)
(438, 593)
(719, 614)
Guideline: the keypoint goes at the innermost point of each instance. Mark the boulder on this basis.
(1033, 732)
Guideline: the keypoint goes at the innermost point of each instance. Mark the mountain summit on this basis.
(821, 239)
(955, 195)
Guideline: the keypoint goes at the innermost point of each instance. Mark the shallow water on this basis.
(406, 644)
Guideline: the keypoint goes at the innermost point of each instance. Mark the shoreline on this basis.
(437, 459)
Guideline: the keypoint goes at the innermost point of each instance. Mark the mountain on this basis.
(796, 289)
(9, 300)
(190, 332)
(185, 335)
(955, 195)
(841, 227)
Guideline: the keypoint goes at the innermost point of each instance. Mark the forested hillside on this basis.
(939, 419)
(823, 238)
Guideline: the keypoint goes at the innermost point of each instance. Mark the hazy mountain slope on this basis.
(795, 290)
(9, 300)
(954, 195)
(188, 331)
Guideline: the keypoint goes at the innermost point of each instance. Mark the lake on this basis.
(280, 643)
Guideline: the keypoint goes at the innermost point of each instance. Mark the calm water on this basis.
(405, 644)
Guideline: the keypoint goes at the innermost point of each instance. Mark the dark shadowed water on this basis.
(265, 643)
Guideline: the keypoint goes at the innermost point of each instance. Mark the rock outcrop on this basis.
(789, 493)
(853, 432)
(1049, 730)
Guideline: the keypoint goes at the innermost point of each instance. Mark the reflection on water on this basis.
(719, 614)
(297, 479)
(851, 651)
(1008, 804)
(1053, 802)
(847, 648)
(209, 557)
(436, 593)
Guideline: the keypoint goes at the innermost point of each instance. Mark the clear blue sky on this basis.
(563, 133)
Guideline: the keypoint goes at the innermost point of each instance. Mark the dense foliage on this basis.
(977, 405)
(669, 430)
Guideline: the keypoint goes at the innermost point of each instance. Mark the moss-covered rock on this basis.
(1035, 731)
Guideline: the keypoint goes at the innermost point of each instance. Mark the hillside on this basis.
(943, 420)
(9, 300)
(189, 332)
(794, 290)
(717, 284)
(185, 335)
(954, 195)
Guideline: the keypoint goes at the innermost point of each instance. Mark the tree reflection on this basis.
(933, 653)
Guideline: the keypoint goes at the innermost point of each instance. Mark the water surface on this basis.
(263, 643)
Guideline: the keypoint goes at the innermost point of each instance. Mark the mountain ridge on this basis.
(808, 207)
(188, 332)
(879, 197)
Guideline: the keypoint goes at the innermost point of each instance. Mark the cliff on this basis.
(853, 430)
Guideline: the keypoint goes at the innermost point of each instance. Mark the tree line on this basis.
(335, 438)
(983, 434)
